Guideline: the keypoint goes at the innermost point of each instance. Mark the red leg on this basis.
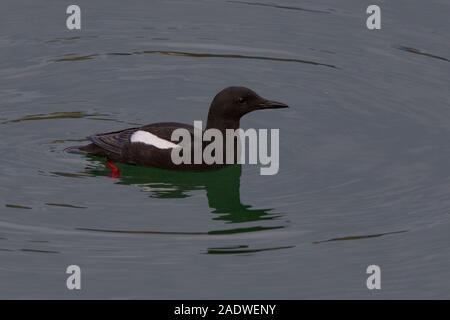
(115, 172)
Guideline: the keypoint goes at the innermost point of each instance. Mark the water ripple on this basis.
(76, 58)
(67, 115)
(54, 116)
(361, 237)
(154, 232)
(16, 206)
(272, 5)
(243, 249)
(419, 52)
(63, 205)
(235, 56)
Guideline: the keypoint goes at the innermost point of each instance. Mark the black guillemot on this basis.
(151, 145)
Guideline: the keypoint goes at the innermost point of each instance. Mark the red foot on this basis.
(115, 172)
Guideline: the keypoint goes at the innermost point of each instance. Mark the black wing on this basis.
(113, 141)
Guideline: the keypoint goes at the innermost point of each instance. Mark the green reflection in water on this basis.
(222, 188)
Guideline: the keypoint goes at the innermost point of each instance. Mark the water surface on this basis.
(364, 174)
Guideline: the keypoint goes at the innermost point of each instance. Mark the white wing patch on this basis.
(152, 140)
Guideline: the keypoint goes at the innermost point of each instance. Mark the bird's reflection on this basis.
(222, 188)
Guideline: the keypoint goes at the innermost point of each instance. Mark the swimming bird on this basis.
(151, 145)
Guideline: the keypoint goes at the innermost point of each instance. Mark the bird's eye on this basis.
(242, 99)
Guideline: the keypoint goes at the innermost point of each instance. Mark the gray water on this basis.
(364, 149)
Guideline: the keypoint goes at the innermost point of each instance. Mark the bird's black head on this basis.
(232, 103)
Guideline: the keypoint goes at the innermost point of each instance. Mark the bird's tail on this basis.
(76, 150)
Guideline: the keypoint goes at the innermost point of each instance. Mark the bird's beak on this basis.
(269, 104)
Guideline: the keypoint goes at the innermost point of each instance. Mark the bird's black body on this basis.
(225, 112)
(116, 146)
